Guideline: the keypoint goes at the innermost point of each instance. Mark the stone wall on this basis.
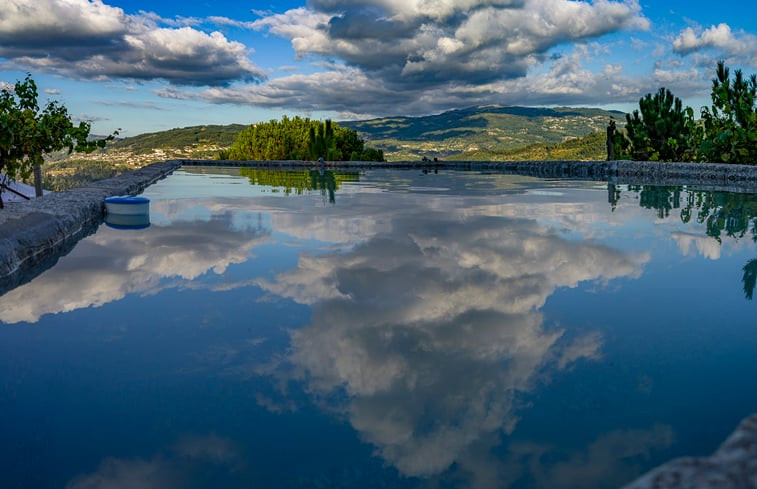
(34, 234)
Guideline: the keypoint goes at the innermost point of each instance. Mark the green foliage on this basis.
(350, 145)
(730, 125)
(296, 181)
(368, 154)
(322, 143)
(274, 140)
(298, 139)
(29, 132)
(661, 130)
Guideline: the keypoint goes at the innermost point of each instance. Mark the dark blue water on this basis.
(384, 329)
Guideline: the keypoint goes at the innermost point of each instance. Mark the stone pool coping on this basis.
(34, 234)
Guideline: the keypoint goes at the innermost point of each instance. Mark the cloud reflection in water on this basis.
(113, 263)
(433, 328)
(426, 329)
(190, 462)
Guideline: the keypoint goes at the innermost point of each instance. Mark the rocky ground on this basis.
(733, 466)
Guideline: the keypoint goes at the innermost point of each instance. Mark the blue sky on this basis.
(145, 66)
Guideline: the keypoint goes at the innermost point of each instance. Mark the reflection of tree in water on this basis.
(662, 199)
(299, 181)
(750, 278)
(734, 214)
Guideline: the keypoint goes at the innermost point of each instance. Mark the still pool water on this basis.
(384, 329)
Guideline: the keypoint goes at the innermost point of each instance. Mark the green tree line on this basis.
(662, 129)
(299, 138)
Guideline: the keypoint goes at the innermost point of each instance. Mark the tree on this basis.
(322, 143)
(349, 143)
(660, 130)
(28, 132)
(730, 125)
(371, 154)
(749, 278)
(299, 139)
(286, 139)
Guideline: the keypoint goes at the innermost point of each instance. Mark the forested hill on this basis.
(480, 133)
(475, 131)
(480, 130)
(212, 136)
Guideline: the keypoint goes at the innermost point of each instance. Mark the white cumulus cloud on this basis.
(739, 45)
(409, 57)
(90, 39)
(410, 43)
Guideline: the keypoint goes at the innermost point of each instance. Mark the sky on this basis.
(143, 66)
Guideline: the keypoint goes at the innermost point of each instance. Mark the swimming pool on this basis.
(384, 329)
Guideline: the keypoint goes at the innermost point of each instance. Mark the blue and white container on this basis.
(127, 212)
(128, 205)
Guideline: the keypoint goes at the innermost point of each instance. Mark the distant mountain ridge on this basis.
(490, 132)
(480, 130)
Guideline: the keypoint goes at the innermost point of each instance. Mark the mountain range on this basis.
(481, 132)
(486, 133)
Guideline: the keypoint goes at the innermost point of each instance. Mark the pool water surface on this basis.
(308, 329)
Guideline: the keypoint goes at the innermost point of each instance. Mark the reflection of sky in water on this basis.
(422, 330)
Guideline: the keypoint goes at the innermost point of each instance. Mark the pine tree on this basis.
(660, 130)
(730, 125)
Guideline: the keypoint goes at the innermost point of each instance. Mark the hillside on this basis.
(466, 133)
(588, 148)
(63, 171)
(476, 133)
(195, 139)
